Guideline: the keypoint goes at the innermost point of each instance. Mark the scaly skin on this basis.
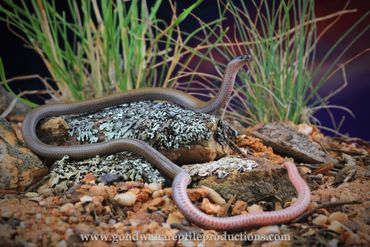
(141, 148)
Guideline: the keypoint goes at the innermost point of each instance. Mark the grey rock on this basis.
(286, 140)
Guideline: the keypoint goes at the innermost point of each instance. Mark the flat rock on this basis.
(286, 140)
(250, 180)
(19, 167)
(184, 136)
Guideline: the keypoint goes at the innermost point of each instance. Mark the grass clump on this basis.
(284, 76)
(95, 47)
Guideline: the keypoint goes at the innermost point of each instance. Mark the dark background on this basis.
(19, 60)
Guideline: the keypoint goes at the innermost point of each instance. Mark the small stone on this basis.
(320, 220)
(174, 218)
(196, 194)
(126, 199)
(211, 208)
(99, 190)
(278, 206)
(239, 207)
(83, 228)
(305, 129)
(109, 178)
(266, 230)
(86, 198)
(336, 226)
(89, 179)
(352, 239)
(6, 231)
(62, 243)
(119, 225)
(275, 244)
(312, 205)
(89, 208)
(158, 193)
(333, 242)
(22, 225)
(67, 209)
(338, 216)
(31, 194)
(309, 232)
(6, 212)
(45, 190)
(154, 186)
(73, 219)
(254, 209)
(304, 170)
(103, 225)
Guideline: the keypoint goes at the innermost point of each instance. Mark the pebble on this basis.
(62, 243)
(119, 225)
(89, 178)
(109, 178)
(126, 199)
(73, 219)
(254, 209)
(98, 190)
(158, 193)
(112, 222)
(336, 226)
(278, 206)
(312, 205)
(338, 216)
(6, 213)
(83, 228)
(305, 129)
(239, 207)
(45, 190)
(304, 170)
(174, 218)
(275, 244)
(320, 220)
(68, 209)
(103, 225)
(154, 186)
(211, 208)
(31, 194)
(68, 233)
(265, 230)
(86, 198)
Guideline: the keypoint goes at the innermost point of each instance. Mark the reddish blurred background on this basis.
(19, 60)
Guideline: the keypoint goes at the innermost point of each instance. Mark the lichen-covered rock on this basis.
(19, 167)
(184, 136)
(249, 180)
(286, 140)
(125, 165)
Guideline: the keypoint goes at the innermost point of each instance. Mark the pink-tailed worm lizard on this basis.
(181, 178)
